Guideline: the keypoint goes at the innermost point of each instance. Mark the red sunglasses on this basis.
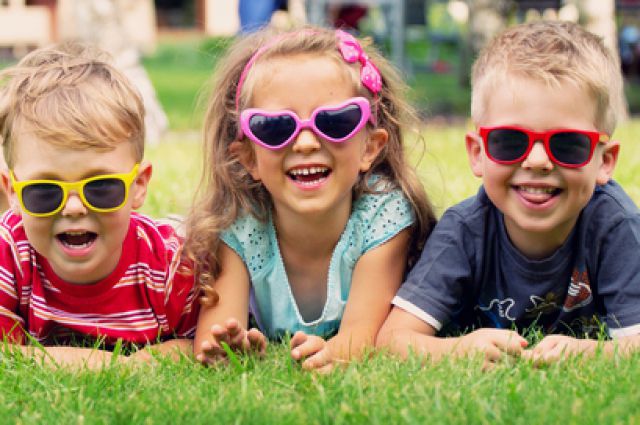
(565, 147)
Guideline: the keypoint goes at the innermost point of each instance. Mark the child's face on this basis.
(540, 200)
(310, 175)
(82, 246)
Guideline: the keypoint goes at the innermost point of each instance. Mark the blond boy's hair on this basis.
(69, 95)
(553, 53)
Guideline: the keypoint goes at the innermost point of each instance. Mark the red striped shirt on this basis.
(150, 295)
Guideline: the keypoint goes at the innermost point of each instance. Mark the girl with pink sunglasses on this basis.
(308, 212)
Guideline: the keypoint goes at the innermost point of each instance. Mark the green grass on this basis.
(275, 391)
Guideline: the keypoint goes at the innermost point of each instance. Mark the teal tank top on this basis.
(375, 218)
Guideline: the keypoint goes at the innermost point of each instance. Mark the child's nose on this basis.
(538, 158)
(306, 141)
(74, 206)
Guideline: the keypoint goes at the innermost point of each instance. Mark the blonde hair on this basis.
(227, 190)
(69, 95)
(553, 53)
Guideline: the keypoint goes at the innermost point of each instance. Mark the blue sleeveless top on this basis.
(375, 218)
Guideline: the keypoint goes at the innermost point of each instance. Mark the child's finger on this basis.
(257, 341)
(210, 351)
(320, 360)
(298, 339)
(233, 327)
(510, 342)
(220, 333)
(311, 346)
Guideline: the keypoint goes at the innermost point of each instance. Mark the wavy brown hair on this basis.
(226, 190)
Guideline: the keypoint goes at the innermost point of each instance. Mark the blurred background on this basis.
(169, 47)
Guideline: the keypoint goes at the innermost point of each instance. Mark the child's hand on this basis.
(493, 344)
(554, 348)
(236, 337)
(313, 350)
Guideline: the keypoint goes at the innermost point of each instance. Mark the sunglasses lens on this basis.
(338, 124)
(570, 147)
(507, 144)
(105, 193)
(42, 198)
(272, 131)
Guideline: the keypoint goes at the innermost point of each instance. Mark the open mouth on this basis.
(309, 175)
(537, 194)
(77, 239)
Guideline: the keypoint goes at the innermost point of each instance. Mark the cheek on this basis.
(38, 230)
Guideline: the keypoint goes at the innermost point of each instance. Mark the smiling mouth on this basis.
(309, 175)
(77, 240)
(537, 194)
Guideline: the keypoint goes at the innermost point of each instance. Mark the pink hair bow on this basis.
(351, 51)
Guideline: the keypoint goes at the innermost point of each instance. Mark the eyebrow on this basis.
(52, 175)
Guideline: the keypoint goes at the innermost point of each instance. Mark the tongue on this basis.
(77, 239)
(536, 198)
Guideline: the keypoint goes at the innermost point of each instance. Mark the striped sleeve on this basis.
(181, 304)
(11, 323)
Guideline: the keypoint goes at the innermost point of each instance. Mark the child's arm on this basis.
(404, 333)
(376, 279)
(554, 348)
(227, 320)
(93, 359)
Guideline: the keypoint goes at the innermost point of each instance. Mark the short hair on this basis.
(70, 95)
(553, 53)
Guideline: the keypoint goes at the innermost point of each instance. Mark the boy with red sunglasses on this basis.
(550, 242)
(77, 265)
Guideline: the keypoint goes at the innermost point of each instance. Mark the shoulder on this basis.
(248, 234)
(155, 236)
(16, 252)
(471, 214)
(377, 217)
(609, 206)
(11, 230)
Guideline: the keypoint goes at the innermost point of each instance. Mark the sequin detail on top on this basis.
(375, 219)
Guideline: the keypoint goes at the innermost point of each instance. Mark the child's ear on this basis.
(245, 156)
(473, 144)
(8, 194)
(609, 161)
(140, 184)
(378, 139)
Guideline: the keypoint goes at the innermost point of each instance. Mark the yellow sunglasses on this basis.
(102, 193)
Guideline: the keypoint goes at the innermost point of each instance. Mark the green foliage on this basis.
(378, 390)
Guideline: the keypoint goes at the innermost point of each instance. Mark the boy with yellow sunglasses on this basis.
(76, 262)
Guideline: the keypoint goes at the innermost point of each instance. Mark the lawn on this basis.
(274, 390)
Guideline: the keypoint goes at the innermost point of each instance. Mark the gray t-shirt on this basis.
(470, 275)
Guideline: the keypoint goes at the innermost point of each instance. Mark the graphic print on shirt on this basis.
(502, 310)
(542, 306)
(579, 293)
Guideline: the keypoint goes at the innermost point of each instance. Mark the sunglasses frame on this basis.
(78, 187)
(595, 137)
(247, 114)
